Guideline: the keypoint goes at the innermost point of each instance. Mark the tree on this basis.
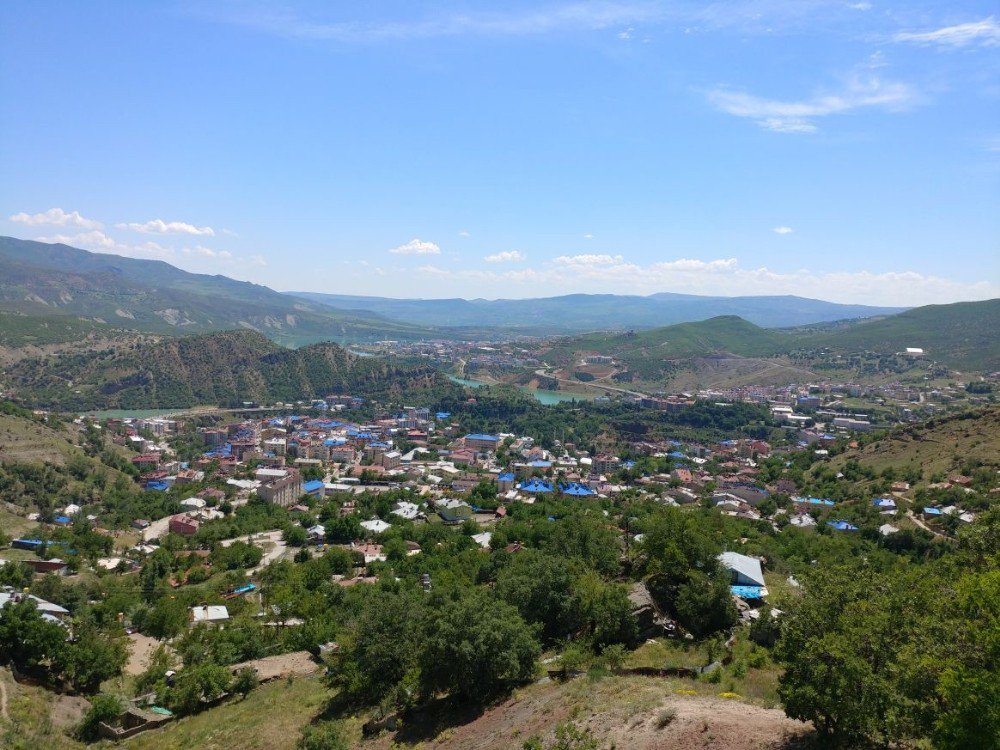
(381, 648)
(197, 685)
(244, 681)
(92, 658)
(26, 638)
(477, 647)
(106, 708)
(541, 587)
(704, 605)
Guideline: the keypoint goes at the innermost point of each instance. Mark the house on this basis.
(51, 612)
(371, 552)
(375, 526)
(932, 514)
(483, 539)
(407, 511)
(316, 533)
(535, 486)
(887, 529)
(183, 524)
(211, 614)
(746, 576)
(575, 489)
(884, 504)
(842, 525)
(279, 486)
(505, 481)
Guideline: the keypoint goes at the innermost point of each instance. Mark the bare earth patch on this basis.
(272, 667)
(620, 712)
(140, 652)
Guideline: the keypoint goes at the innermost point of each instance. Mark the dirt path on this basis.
(3, 698)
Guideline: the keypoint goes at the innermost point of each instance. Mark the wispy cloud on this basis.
(416, 247)
(783, 230)
(985, 32)
(56, 217)
(579, 15)
(159, 226)
(507, 256)
(800, 116)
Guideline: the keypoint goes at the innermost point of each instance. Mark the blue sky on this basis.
(842, 150)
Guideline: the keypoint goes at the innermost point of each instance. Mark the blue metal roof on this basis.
(313, 485)
(932, 511)
(481, 436)
(842, 525)
(506, 477)
(535, 485)
(575, 489)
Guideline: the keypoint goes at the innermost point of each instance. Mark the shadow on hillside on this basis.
(427, 722)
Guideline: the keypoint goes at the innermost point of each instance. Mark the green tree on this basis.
(477, 647)
(27, 638)
(106, 708)
(326, 735)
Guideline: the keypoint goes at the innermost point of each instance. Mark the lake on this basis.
(543, 396)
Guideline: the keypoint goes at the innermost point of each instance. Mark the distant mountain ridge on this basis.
(589, 312)
(42, 280)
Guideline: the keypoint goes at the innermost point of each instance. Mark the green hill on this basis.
(46, 280)
(648, 355)
(223, 368)
(964, 335)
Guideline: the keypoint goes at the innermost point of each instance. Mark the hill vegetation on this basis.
(960, 335)
(225, 368)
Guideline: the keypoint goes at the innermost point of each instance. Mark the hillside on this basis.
(220, 368)
(939, 446)
(583, 312)
(725, 342)
(44, 280)
(963, 335)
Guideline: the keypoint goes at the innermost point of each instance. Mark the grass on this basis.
(14, 525)
(271, 717)
(30, 725)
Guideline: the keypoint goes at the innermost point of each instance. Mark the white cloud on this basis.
(783, 230)
(207, 252)
(416, 247)
(588, 236)
(464, 233)
(58, 218)
(985, 32)
(507, 256)
(159, 226)
(799, 116)
(860, 6)
(607, 274)
(626, 34)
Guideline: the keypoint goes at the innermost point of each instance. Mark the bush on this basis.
(326, 735)
(244, 681)
(665, 717)
(106, 708)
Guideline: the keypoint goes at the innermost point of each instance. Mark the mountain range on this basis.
(41, 280)
(591, 312)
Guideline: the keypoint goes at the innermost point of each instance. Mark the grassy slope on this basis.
(941, 445)
(26, 440)
(962, 335)
(270, 718)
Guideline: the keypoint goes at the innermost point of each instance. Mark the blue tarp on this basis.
(747, 592)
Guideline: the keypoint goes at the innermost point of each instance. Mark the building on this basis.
(211, 614)
(746, 575)
(482, 443)
(184, 525)
(279, 486)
